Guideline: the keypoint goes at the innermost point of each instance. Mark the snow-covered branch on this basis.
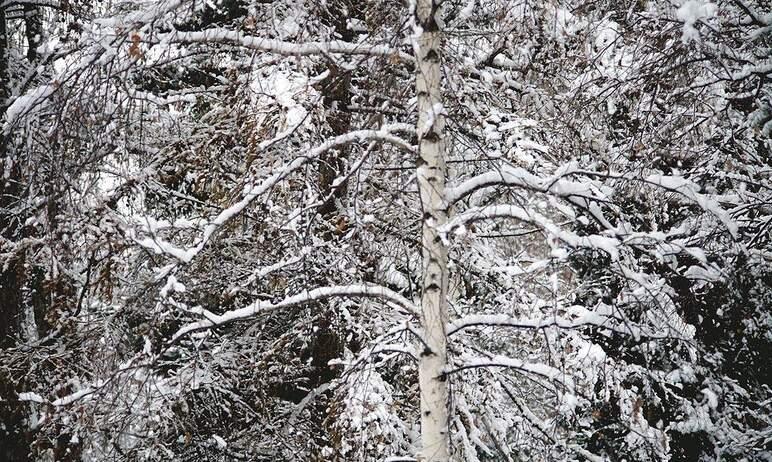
(185, 255)
(586, 195)
(689, 190)
(606, 244)
(517, 177)
(48, 3)
(321, 293)
(676, 184)
(66, 400)
(535, 369)
(585, 318)
(545, 429)
(231, 37)
(582, 194)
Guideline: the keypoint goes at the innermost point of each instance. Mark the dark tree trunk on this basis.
(14, 438)
(337, 98)
(33, 22)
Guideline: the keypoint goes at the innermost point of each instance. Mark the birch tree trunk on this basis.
(431, 184)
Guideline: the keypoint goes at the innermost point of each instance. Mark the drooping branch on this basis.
(584, 195)
(601, 317)
(544, 371)
(586, 318)
(519, 177)
(544, 429)
(607, 244)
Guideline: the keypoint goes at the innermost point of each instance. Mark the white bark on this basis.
(431, 173)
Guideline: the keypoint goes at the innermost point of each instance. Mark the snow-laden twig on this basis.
(59, 402)
(586, 318)
(604, 243)
(48, 3)
(185, 255)
(26, 103)
(230, 37)
(545, 429)
(259, 307)
(265, 271)
(581, 194)
(689, 190)
(533, 369)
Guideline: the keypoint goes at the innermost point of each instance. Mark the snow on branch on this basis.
(185, 255)
(577, 316)
(520, 177)
(230, 37)
(48, 3)
(676, 184)
(586, 318)
(540, 370)
(266, 270)
(689, 190)
(586, 194)
(26, 103)
(144, 12)
(59, 402)
(581, 194)
(606, 244)
(545, 429)
(321, 293)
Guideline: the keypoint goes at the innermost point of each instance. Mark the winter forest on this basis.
(386, 230)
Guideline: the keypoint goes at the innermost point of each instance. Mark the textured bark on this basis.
(431, 174)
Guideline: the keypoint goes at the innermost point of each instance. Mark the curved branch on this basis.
(604, 243)
(576, 193)
(349, 291)
(585, 318)
(542, 370)
(519, 177)
(501, 320)
(185, 255)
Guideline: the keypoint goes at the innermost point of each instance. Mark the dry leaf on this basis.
(134, 50)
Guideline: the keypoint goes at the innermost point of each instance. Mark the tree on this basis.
(430, 177)
(235, 200)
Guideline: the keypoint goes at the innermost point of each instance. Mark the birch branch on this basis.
(230, 37)
(185, 255)
(321, 293)
(540, 370)
(606, 244)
